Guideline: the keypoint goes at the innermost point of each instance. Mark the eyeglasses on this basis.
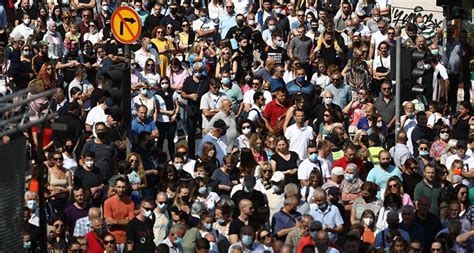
(132, 160)
(85, 15)
(256, 83)
(300, 15)
(423, 149)
(362, 93)
(327, 115)
(183, 25)
(265, 236)
(391, 33)
(109, 242)
(393, 185)
(229, 7)
(59, 225)
(462, 193)
(385, 89)
(148, 209)
(58, 158)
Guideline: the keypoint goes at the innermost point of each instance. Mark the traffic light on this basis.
(117, 89)
(416, 76)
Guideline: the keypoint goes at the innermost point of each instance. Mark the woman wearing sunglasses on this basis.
(59, 181)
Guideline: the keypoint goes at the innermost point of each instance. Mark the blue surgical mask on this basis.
(247, 240)
(202, 189)
(434, 51)
(313, 157)
(349, 177)
(178, 241)
(221, 221)
(198, 74)
(300, 79)
(248, 189)
(31, 204)
(27, 245)
(208, 226)
(424, 153)
(225, 80)
(144, 91)
(162, 206)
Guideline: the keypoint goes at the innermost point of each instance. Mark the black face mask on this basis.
(185, 199)
(240, 23)
(384, 165)
(69, 149)
(393, 226)
(173, 11)
(100, 135)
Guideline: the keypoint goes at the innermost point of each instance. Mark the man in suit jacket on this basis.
(60, 103)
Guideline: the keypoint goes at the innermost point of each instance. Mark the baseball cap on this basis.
(337, 171)
(278, 177)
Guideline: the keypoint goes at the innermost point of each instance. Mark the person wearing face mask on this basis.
(350, 186)
(23, 30)
(239, 29)
(140, 229)
(204, 194)
(243, 140)
(371, 22)
(174, 239)
(204, 27)
(276, 49)
(247, 241)
(328, 214)
(147, 51)
(182, 175)
(368, 221)
(232, 91)
(318, 111)
(422, 29)
(167, 114)
(313, 163)
(95, 238)
(69, 156)
(88, 176)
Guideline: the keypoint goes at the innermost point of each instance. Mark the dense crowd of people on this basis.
(265, 127)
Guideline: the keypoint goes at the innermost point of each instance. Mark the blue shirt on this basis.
(276, 83)
(342, 95)
(330, 217)
(294, 88)
(219, 143)
(378, 238)
(138, 127)
(282, 220)
(415, 231)
(380, 176)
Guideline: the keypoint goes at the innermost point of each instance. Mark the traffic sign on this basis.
(126, 24)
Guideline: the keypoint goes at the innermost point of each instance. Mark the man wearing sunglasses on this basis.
(140, 230)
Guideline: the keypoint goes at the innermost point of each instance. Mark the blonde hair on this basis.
(140, 169)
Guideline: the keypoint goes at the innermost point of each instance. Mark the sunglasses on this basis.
(265, 236)
(58, 158)
(183, 25)
(267, 171)
(84, 16)
(327, 115)
(132, 160)
(159, 32)
(444, 132)
(225, 53)
(245, 127)
(49, 69)
(229, 7)
(393, 185)
(109, 242)
(150, 65)
(384, 89)
(390, 33)
(59, 225)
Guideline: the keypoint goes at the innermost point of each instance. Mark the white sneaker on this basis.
(176, 138)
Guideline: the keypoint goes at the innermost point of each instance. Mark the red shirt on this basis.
(95, 243)
(343, 162)
(274, 112)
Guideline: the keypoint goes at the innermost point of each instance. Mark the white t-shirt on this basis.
(248, 97)
(299, 139)
(161, 105)
(434, 117)
(379, 61)
(95, 115)
(322, 80)
(376, 38)
(255, 113)
(439, 74)
(242, 6)
(207, 25)
(306, 167)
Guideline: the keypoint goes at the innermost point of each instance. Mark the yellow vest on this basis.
(374, 154)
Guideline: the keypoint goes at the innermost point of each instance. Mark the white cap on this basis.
(337, 171)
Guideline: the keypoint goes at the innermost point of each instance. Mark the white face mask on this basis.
(165, 86)
(251, 22)
(89, 163)
(327, 101)
(246, 130)
(444, 136)
(379, 124)
(148, 214)
(368, 221)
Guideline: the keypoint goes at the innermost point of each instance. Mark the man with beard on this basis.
(95, 238)
(140, 230)
(118, 211)
(381, 173)
(78, 209)
(430, 188)
(276, 49)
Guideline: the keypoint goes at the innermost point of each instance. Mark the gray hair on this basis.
(31, 194)
(353, 167)
(176, 228)
(320, 193)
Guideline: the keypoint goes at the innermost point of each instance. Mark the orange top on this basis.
(117, 209)
(369, 236)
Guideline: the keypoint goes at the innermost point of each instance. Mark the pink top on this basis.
(357, 112)
(245, 88)
(177, 78)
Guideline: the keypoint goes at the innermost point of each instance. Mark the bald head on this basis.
(402, 137)
(94, 212)
(244, 203)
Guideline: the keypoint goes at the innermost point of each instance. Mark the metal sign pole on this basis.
(398, 78)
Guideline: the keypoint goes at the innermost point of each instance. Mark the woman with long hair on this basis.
(167, 114)
(245, 129)
(391, 202)
(136, 176)
(182, 200)
(270, 146)
(265, 175)
(395, 186)
(58, 238)
(186, 37)
(327, 125)
(438, 147)
(368, 219)
(149, 74)
(461, 194)
(285, 160)
(226, 64)
(247, 162)
(368, 200)
(59, 181)
(48, 75)
(169, 177)
(257, 146)
(163, 46)
(298, 105)
(70, 158)
(203, 193)
(208, 157)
